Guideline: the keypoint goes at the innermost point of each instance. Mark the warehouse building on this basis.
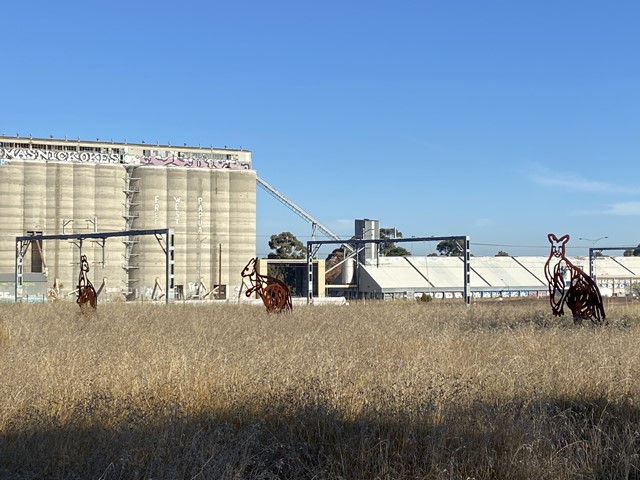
(375, 276)
(55, 187)
(490, 277)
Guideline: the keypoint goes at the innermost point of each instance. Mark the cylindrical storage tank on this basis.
(347, 271)
(11, 212)
(220, 239)
(177, 218)
(64, 264)
(84, 216)
(34, 200)
(148, 261)
(198, 245)
(34, 214)
(242, 223)
(110, 199)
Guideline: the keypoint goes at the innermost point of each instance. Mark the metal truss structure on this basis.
(358, 246)
(302, 213)
(164, 236)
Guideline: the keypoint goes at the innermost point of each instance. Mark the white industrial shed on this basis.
(443, 277)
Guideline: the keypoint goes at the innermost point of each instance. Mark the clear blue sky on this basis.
(501, 120)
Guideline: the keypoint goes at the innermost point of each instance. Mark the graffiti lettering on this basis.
(4, 161)
(156, 209)
(192, 162)
(177, 200)
(58, 155)
(200, 214)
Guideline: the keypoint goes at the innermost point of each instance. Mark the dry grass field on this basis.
(365, 391)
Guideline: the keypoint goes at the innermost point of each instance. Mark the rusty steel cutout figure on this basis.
(87, 295)
(274, 293)
(580, 293)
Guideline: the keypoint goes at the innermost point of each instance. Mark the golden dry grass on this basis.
(382, 390)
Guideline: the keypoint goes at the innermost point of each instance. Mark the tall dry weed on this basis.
(376, 390)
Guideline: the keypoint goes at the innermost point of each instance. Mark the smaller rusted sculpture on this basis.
(580, 293)
(87, 296)
(274, 293)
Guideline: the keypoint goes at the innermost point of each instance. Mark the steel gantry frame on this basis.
(314, 245)
(162, 234)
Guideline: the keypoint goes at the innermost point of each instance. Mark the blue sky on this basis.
(500, 120)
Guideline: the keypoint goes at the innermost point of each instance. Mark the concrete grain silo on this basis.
(150, 211)
(11, 211)
(54, 187)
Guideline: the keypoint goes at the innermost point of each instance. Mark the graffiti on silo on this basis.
(177, 200)
(58, 155)
(214, 161)
(200, 214)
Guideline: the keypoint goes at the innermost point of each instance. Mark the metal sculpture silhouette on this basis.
(87, 296)
(274, 293)
(580, 293)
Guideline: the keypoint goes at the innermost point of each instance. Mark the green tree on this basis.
(451, 248)
(396, 251)
(286, 245)
(390, 249)
(502, 254)
(636, 251)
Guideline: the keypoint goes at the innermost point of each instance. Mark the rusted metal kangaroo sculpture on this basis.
(274, 293)
(87, 295)
(580, 293)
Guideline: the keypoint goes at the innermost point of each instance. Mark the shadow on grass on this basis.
(555, 438)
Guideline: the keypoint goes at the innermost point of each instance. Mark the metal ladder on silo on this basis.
(131, 189)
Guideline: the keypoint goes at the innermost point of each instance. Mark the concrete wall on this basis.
(208, 197)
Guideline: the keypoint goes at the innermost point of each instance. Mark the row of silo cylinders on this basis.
(55, 198)
(211, 211)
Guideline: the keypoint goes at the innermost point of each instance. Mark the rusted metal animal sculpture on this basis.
(580, 293)
(274, 293)
(87, 296)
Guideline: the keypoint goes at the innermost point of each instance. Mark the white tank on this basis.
(347, 271)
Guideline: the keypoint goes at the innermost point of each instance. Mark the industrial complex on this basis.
(66, 187)
(179, 222)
